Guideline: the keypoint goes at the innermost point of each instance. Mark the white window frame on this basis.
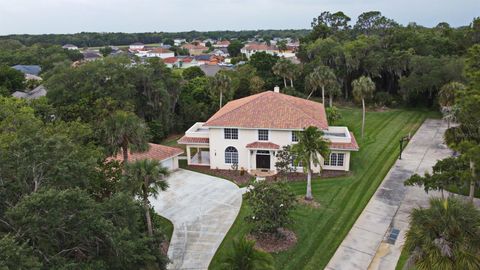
(336, 159)
(231, 155)
(230, 133)
(294, 136)
(262, 136)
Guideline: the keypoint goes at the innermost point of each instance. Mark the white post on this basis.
(249, 169)
(189, 158)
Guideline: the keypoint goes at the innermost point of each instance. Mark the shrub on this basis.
(271, 204)
(383, 99)
(333, 115)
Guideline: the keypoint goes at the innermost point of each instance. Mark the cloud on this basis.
(69, 16)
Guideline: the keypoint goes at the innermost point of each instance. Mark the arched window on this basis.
(231, 155)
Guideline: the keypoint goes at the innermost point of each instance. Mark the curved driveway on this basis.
(202, 209)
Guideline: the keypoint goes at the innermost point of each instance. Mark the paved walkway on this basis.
(363, 248)
(202, 209)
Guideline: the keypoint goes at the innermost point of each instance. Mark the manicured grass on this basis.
(165, 225)
(320, 231)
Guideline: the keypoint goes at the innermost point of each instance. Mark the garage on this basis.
(167, 156)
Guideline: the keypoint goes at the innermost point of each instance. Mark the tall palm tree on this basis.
(363, 88)
(221, 83)
(321, 77)
(311, 145)
(145, 178)
(125, 131)
(244, 256)
(332, 90)
(444, 236)
(281, 69)
(446, 99)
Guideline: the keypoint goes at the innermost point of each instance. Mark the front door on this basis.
(263, 160)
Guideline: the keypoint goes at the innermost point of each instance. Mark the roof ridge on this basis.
(241, 106)
(297, 107)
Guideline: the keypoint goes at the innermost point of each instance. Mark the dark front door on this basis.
(263, 161)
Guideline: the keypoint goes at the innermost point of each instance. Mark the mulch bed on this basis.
(237, 177)
(281, 241)
(242, 178)
(309, 203)
(164, 247)
(295, 176)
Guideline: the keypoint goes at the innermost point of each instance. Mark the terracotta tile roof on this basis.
(160, 50)
(270, 110)
(170, 60)
(189, 46)
(353, 145)
(263, 145)
(156, 152)
(260, 47)
(193, 140)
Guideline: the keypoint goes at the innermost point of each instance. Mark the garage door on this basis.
(168, 163)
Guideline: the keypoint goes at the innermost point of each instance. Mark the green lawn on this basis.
(321, 230)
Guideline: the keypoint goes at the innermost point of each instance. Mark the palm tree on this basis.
(125, 131)
(221, 83)
(145, 178)
(281, 69)
(310, 146)
(244, 256)
(444, 236)
(321, 77)
(363, 88)
(332, 90)
(446, 99)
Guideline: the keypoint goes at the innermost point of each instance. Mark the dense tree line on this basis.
(411, 62)
(86, 39)
(64, 206)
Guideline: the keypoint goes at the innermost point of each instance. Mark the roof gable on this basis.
(270, 110)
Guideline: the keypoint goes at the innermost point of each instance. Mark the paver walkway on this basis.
(364, 240)
(202, 209)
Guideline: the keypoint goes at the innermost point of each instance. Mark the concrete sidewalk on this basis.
(364, 241)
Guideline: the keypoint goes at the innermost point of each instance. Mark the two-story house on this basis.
(248, 132)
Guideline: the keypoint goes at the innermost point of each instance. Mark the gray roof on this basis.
(38, 92)
(28, 69)
(211, 70)
(69, 46)
(90, 55)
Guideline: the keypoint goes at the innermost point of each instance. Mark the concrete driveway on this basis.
(202, 209)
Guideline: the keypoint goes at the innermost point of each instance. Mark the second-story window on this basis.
(230, 133)
(263, 135)
(294, 136)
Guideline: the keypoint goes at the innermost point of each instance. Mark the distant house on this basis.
(136, 46)
(70, 47)
(221, 44)
(252, 48)
(171, 62)
(32, 77)
(38, 92)
(160, 52)
(194, 49)
(221, 52)
(165, 155)
(28, 69)
(90, 56)
(179, 41)
(186, 62)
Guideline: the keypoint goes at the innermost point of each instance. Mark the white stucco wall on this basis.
(245, 136)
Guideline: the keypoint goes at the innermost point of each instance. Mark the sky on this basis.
(73, 16)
